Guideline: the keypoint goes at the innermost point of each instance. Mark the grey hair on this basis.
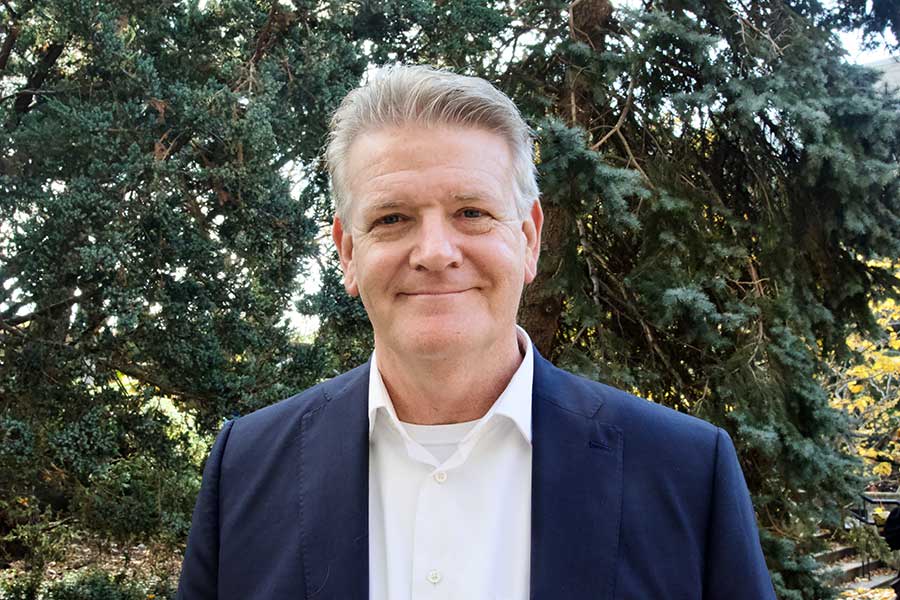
(400, 95)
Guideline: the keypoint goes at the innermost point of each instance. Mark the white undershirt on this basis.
(450, 505)
(440, 440)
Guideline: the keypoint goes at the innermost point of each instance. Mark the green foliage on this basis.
(34, 532)
(795, 578)
(870, 544)
(728, 179)
(91, 585)
(20, 589)
(874, 18)
(345, 333)
(767, 179)
(136, 499)
(151, 239)
(16, 443)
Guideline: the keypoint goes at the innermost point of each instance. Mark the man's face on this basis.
(436, 249)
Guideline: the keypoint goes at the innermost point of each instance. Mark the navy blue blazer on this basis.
(630, 501)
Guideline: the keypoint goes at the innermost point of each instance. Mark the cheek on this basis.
(377, 265)
(371, 290)
(506, 252)
(510, 235)
(503, 265)
(382, 256)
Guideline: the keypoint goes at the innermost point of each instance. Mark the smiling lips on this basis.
(435, 293)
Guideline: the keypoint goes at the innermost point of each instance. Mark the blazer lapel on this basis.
(334, 490)
(576, 499)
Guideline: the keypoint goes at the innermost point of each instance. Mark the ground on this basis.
(140, 562)
(861, 594)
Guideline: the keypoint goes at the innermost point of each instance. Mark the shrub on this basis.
(90, 585)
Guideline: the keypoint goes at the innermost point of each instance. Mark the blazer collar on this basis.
(576, 489)
(576, 497)
(334, 490)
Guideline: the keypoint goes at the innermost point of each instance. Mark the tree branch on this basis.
(56, 305)
(37, 78)
(629, 96)
(8, 43)
(164, 387)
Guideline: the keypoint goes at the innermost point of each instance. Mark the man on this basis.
(457, 463)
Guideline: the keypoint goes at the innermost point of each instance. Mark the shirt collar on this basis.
(513, 403)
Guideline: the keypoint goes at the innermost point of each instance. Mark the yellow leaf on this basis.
(882, 468)
(855, 387)
(886, 364)
(859, 372)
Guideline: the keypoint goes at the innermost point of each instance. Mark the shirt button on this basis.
(434, 576)
(440, 477)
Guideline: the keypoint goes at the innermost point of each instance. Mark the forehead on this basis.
(419, 161)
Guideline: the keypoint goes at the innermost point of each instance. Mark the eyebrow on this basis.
(384, 205)
(465, 197)
(379, 206)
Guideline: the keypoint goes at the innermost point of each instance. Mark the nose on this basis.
(435, 246)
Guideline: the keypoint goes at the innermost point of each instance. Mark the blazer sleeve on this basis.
(735, 567)
(200, 569)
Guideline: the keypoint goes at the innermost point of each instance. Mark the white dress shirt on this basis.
(450, 505)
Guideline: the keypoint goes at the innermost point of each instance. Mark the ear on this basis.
(531, 227)
(343, 241)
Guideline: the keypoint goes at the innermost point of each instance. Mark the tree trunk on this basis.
(542, 305)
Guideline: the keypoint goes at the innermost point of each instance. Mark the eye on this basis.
(472, 213)
(388, 220)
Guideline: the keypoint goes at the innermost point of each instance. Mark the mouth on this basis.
(435, 294)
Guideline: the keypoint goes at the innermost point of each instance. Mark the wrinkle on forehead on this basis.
(404, 157)
(473, 181)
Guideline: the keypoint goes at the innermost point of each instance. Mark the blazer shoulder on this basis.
(284, 416)
(652, 416)
(635, 416)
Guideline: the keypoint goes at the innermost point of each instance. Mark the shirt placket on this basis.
(435, 547)
(432, 575)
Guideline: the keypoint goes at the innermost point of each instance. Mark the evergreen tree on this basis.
(150, 243)
(716, 181)
(874, 18)
(730, 179)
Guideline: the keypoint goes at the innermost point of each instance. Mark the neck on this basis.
(436, 390)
